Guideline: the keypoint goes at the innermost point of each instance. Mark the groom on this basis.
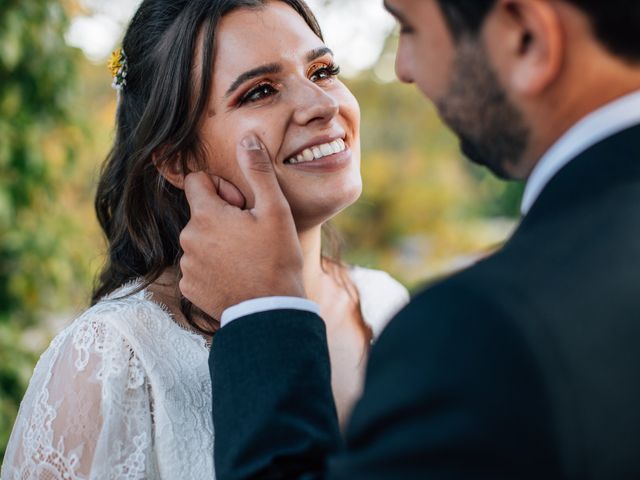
(526, 365)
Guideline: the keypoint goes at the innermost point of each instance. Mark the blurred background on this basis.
(425, 211)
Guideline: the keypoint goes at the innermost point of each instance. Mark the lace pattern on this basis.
(125, 393)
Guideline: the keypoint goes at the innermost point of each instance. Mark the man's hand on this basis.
(232, 255)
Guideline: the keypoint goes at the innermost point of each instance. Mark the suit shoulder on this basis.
(463, 293)
(459, 317)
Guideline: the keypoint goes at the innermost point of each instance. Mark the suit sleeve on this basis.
(452, 392)
(273, 407)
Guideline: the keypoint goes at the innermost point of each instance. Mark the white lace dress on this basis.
(124, 393)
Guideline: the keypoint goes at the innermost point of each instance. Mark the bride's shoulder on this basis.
(381, 296)
(128, 300)
(97, 345)
(124, 314)
(370, 281)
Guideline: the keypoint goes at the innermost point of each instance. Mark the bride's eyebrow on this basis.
(271, 69)
(318, 52)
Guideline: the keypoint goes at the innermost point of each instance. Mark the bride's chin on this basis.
(307, 219)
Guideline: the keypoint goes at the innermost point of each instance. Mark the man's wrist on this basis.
(265, 304)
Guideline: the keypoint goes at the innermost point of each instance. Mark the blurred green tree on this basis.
(37, 139)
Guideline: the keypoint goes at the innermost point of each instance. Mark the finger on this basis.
(230, 193)
(258, 170)
(201, 192)
(227, 191)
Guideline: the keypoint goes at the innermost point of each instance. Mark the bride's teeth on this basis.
(319, 151)
(308, 155)
(326, 149)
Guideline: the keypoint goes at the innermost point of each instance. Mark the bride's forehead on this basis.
(242, 46)
(274, 26)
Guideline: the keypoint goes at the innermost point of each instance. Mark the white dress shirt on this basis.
(265, 304)
(602, 123)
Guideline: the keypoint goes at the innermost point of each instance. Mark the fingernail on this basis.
(251, 142)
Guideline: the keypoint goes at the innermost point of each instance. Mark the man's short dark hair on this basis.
(616, 23)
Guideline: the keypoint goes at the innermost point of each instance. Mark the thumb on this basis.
(257, 168)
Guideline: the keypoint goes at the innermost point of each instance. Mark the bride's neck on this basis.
(314, 275)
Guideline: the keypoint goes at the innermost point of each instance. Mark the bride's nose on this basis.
(313, 104)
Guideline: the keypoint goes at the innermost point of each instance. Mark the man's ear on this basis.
(171, 168)
(526, 43)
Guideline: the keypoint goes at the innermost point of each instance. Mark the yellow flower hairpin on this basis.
(118, 67)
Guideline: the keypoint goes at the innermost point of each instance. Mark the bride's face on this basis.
(274, 77)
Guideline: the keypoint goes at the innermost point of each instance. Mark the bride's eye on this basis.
(324, 72)
(258, 93)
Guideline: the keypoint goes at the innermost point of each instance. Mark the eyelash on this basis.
(331, 70)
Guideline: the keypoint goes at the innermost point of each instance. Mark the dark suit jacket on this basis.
(526, 365)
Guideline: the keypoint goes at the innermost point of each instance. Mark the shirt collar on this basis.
(600, 124)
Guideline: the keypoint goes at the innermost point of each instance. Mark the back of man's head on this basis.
(615, 22)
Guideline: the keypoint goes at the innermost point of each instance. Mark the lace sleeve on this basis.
(87, 412)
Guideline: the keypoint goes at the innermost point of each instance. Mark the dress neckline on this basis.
(128, 290)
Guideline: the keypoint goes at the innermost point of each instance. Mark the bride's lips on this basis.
(328, 164)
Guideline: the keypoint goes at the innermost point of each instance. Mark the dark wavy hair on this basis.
(157, 120)
(615, 22)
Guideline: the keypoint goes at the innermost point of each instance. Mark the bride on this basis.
(124, 391)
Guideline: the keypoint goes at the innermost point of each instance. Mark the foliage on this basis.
(37, 139)
(36, 152)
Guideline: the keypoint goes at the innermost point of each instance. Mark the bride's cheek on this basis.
(268, 124)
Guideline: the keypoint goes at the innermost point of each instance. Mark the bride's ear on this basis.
(172, 168)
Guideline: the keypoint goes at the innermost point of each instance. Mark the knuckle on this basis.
(184, 281)
(184, 287)
(196, 212)
(199, 220)
(185, 240)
